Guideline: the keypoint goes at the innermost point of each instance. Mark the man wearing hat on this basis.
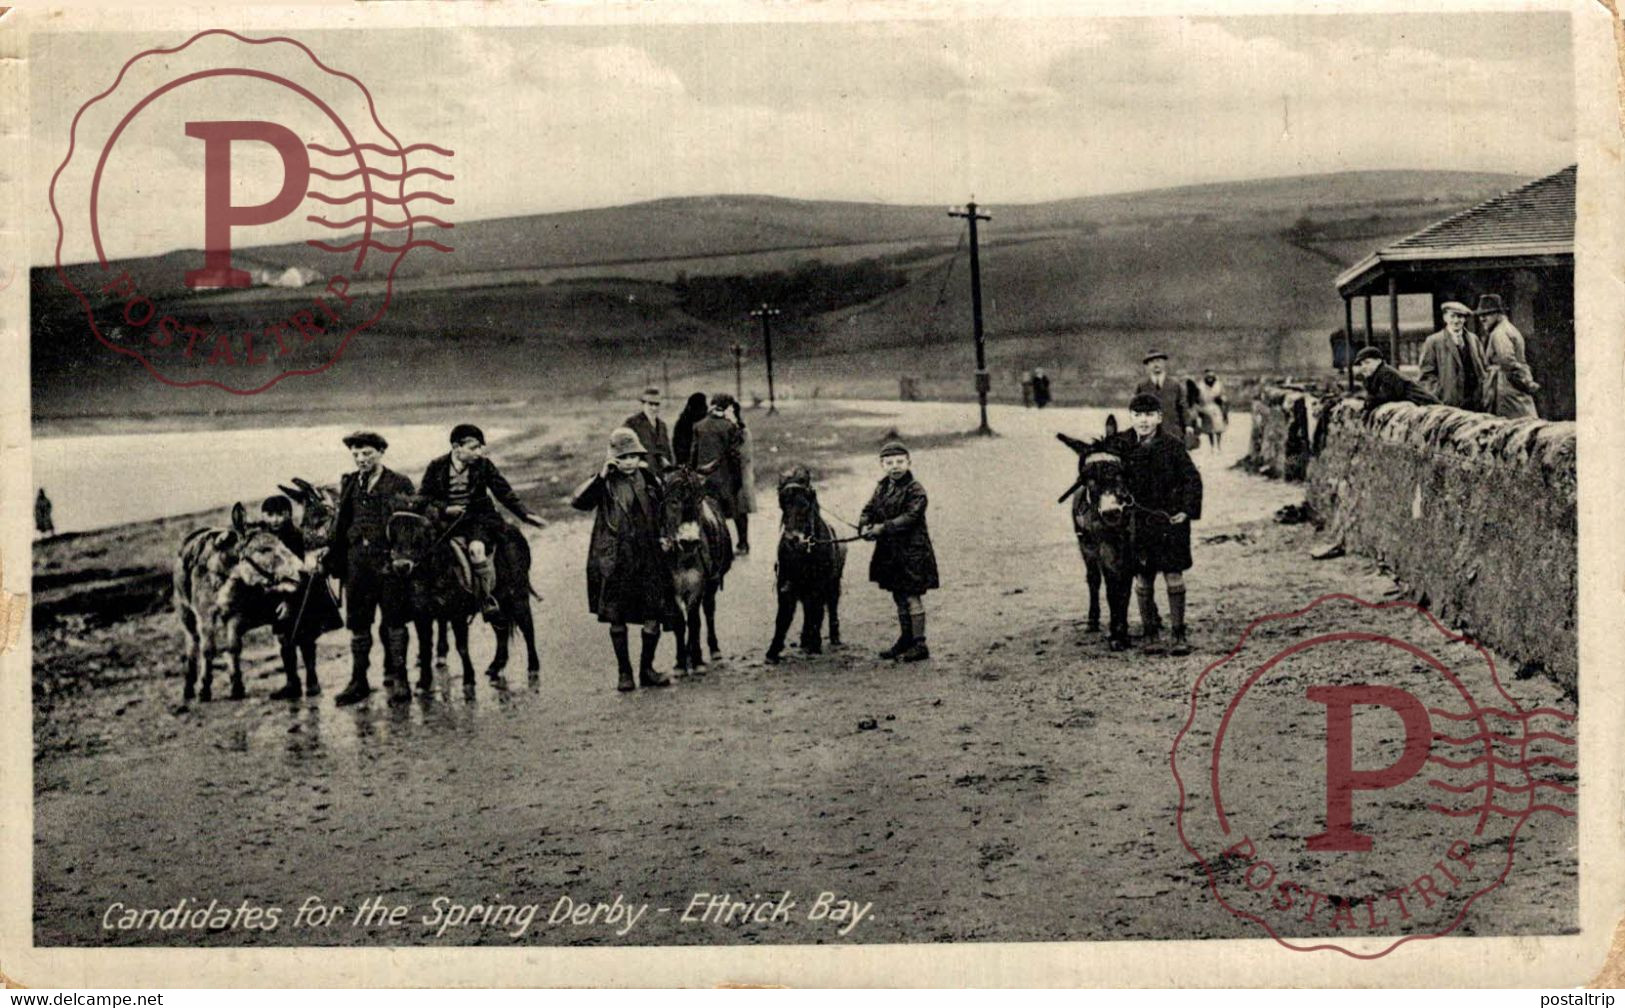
(1167, 492)
(651, 431)
(717, 442)
(1509, 384)
(359, 555)
(1170, 393)
(1385, 385)
(462, 483)
(628, 580)
(1452, 366)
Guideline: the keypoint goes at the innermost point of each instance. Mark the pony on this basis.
(810, 564)
(227, 582)
(1105, 523)
(700, 552)
(438, 588)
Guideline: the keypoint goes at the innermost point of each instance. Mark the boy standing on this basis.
(904, 562)
(1167, 492)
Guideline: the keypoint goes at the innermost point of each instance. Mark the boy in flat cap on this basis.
(1385, 385)
(1170, 394)
(462, 483)
(1452, 365)
(628, 580)
(359, 555)
(904, 562)
(1167, 492)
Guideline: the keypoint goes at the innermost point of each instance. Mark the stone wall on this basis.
(1283, 423)
(1474, 514)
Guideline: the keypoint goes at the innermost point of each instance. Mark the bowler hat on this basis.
(893, 448)
(1490, 304)
(624, 441)
(1152, 355)
(1145, 402)
(1368, 353)
(1454, 306)
(466, 430)
(366, 439)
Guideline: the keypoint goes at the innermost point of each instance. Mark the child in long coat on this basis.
(904, 562)
(628, 580)
(1167, 491)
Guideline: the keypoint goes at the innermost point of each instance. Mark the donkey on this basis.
(811, 562)
(317, 510)
(700, 552)
(437, 589)
(1106, 527)
(226, 582)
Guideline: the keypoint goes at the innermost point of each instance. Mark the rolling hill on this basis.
(590, 301)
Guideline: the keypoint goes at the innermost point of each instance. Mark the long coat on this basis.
(1455, 376)
(656, 439)
(628, 580)
(903, 561)
(1175, 411)
(485, 482)
(747, 473)
(1509, 382)
(717, 440)
(1162, 478)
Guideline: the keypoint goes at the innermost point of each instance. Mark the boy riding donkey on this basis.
(1167, 493)
(461, 484)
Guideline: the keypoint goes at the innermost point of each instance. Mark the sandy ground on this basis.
(1014, 788)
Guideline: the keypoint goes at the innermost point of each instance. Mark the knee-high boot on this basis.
(358, 688)
(1150, 621)
(395, 638)
(647, 676)
(485, 583)
(623, 659)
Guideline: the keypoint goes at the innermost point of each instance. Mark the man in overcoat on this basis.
(462, 484)
(1168, 392)
(904, 562)
(651, 431)
(359, 554)
(1166, 489)
(1509, 386)
(628, 579)
(1385, 385)
(1452, 364)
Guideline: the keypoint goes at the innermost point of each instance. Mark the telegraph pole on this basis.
(739, 379)
(983, 383)
(765, 313)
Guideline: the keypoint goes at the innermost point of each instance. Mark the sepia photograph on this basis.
(776, 480)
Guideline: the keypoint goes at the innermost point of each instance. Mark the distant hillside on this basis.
(1242, 271)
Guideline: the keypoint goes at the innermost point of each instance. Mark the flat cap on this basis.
(1454, 306)
(366, 439)
(893, 448)
(1368, 353)
(1152, 355)
(1145, 402)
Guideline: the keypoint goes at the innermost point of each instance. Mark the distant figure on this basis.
(1027, 389)
(682, 433)
(1452, 366)
(1211, 408)
(747, 470)
(1175, 418)
(1508, 383)
(651, 430)
(1040, 388)
(42, 515)
(1385, 385)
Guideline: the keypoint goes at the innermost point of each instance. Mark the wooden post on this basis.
(1393, 319)
(1369, 337)
(1348, 339)
(983, 383)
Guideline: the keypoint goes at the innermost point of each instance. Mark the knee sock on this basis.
(1176, 606)
(903, 620)
(742, 522)
(617, 640)
(916, 618)
(1145, 592)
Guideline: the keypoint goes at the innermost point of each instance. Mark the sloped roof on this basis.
(1535, 219)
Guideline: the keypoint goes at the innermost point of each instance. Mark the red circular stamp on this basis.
(1353, 776)
(232, 211)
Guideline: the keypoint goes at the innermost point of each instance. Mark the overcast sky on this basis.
(905, 111)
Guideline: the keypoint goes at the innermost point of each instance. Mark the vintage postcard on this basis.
(879, 494)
